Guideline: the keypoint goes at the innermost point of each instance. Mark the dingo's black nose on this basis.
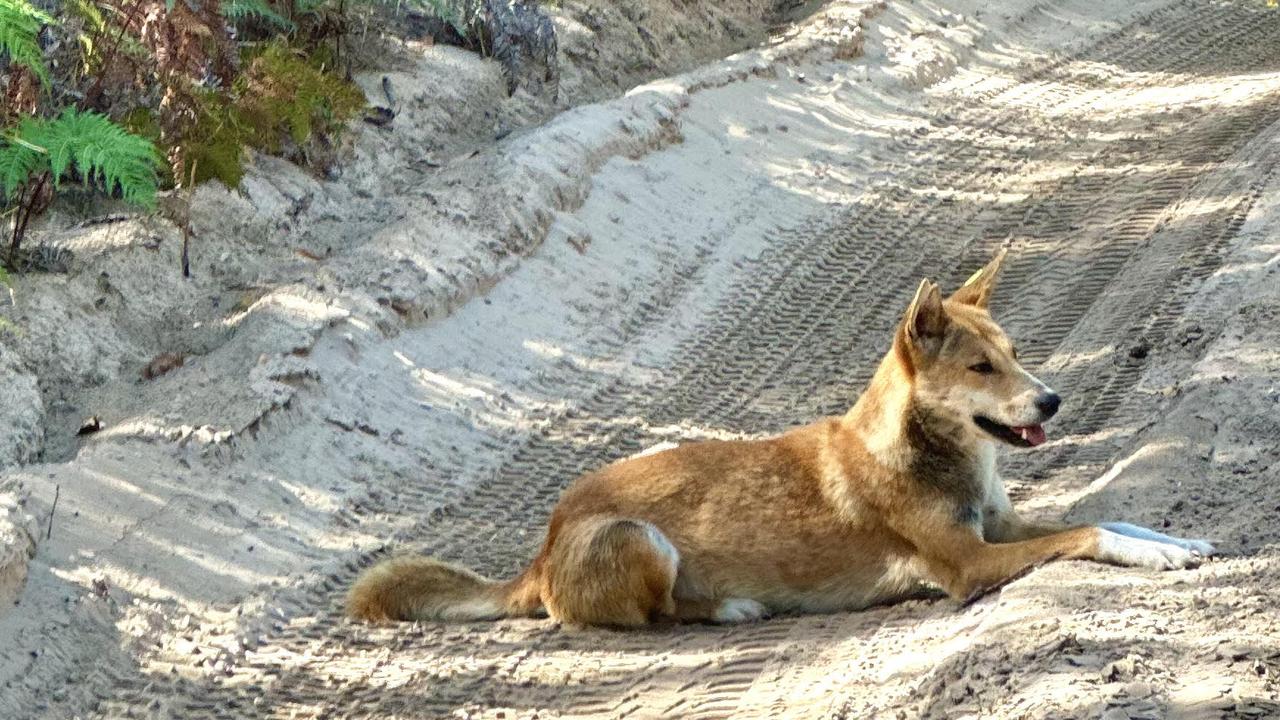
(1048, 404)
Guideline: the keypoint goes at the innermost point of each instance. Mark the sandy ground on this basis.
(721, 253)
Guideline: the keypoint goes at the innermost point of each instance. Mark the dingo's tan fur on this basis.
(844, 513)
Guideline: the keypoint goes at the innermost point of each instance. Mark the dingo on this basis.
(845, 513)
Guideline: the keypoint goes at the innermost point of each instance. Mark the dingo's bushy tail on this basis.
(423, 588)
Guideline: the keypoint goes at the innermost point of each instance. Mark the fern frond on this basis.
(101, 152)
(89, 12)
(18, 162)
(20, 25)
(238, 11)
(95, 25)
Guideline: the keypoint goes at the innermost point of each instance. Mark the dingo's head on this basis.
(964, 367)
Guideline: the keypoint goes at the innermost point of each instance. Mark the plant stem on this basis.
(57, 492)
(27, 208)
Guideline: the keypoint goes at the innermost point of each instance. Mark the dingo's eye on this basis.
(983, 368)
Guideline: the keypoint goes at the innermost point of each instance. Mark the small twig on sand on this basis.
(186, 193)
(186, 253)
(57, 492)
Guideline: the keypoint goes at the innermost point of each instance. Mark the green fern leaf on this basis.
(89, 12)
(20, 25)
(102, 153)
(19, 160)
(238, 11)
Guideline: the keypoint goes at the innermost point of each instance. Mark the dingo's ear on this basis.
(925, 321)
(978, 288)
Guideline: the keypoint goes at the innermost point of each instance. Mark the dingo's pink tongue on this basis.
(1033, 434)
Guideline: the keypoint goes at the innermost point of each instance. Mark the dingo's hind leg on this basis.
(610, 571)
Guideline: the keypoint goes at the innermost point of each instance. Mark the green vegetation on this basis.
(81, 144)
(148, 94)
(245, 12)
(280, 104)
(282, 96)
(125, 98)
(20, 25)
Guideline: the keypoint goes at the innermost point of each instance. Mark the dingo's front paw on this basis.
(1204, 548)
(1199, 547)
(1123, 550)
(736, 610)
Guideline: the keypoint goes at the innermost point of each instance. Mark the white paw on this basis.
(1203, 548)
(1200, 547)
(736, 610)
(1133, 552)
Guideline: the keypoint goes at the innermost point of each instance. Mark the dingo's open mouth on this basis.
(1020, 436)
